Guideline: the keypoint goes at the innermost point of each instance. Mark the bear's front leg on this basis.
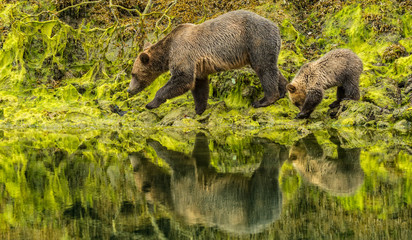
(178, 84)
(155, 103)
(313, 98)
(273, 84)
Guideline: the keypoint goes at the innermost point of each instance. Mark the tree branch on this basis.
(77, 5)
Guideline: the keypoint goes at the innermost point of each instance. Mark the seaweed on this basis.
(69, 62)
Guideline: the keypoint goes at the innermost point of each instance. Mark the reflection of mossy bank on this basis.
(80, 184)
(55, 75)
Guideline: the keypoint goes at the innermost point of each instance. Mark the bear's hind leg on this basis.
(351, 92)
(200, 94)
(340, 95)
(282, 82)
(269, 79)
(346, 92)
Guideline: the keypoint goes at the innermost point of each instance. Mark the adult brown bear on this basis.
(192, 52)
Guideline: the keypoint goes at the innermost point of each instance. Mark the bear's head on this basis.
(296, 95)
(146, 68)
(297, 88)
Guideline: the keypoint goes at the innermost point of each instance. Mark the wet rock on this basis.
(187, 122)
(177, 115)
(394, 52)
(264, 118)
(357, 113)
(404, 112)
(215, 118)
(148, 117)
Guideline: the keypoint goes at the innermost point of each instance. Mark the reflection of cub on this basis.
(198, 194)
(339, 176)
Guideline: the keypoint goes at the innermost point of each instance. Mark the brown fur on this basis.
(340, 68)
(339, 176)
(192, 52)
(195, 192)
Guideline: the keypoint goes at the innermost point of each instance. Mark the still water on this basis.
(196, 184)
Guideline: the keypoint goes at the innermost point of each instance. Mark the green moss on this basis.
(56, 71)
(354, 113)
(379, 97)
(404, 113)
(289, 180)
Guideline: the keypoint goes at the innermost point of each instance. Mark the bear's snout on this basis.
(134, 87)
(132, 92)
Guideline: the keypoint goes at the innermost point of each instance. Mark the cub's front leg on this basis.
(313, 98)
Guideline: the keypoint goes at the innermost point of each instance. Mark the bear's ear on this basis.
(146, 45)
(144, 58)
(291, 88)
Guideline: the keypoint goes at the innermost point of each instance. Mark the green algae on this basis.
(45, 174)
(55, 74)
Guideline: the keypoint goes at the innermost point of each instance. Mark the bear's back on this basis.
(337, 67)
(340, 60)
(224, 42)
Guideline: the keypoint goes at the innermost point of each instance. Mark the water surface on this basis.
(193, 184)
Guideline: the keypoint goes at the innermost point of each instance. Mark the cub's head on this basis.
(296, 94)
(146, 69)
(297, 88)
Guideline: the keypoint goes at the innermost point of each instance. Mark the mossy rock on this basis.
(177, 115)
(385, 94)
(357, 113)
(402, 125)
(408, 89)
(237, 88)
(404, 112)
(148, 117)
(394, 52)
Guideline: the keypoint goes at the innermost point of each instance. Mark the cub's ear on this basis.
(144, 58)
(291, 88)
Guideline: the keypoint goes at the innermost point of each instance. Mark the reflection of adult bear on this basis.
(192, 52)
(339, 176)
(196, 192)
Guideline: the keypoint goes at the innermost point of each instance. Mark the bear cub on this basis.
(192, 52)
(340, 67)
